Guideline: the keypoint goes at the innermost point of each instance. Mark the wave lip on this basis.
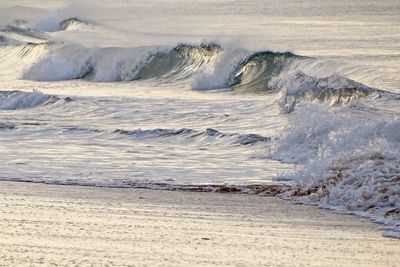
(178, 63)
(241, 70)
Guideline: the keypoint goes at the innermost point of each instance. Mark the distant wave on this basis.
(12, 35)
(72, 24)
(55, 24)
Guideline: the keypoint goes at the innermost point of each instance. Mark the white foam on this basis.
(67, 63)
(218, 76)
(351, 162)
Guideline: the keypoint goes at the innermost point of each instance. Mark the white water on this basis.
(103, 95)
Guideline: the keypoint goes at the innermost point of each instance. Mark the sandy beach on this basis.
(53, 225)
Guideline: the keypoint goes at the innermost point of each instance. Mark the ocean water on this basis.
(169, 94)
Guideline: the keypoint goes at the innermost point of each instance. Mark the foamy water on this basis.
(215, 92)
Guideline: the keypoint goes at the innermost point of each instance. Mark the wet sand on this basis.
(52, 225)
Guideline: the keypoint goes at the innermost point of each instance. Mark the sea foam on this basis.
(350, 163)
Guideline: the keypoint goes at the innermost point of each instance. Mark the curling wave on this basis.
(271, 72)
(255, 71)
(179, 63)
(121, 64)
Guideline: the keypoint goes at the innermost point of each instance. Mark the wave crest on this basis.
(73, 24)
(61, 23)
(11, 100)
(332, 91)
(208, 135)
(179, 63)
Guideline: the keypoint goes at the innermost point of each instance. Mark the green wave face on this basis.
(255, 71)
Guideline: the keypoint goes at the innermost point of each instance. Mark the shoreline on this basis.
(253, 189)
(73, 225)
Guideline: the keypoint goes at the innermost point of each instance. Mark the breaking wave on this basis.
(258, 69)
(179, 63)
(121, 64)
(264, 72)
(332, 91)
(349, 161)
(73, 24)
(16, 58)
(203, 67)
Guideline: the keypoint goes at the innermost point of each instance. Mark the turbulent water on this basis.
(217, 92)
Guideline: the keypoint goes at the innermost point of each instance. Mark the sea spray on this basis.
(351, 163)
